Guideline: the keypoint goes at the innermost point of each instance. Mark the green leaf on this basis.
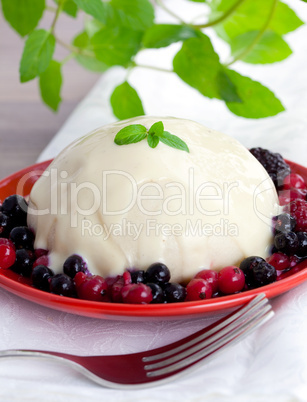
(69, 7)
(269, 49)
(23, 15)
(134, 14)
(115, 45)
(92, 27)
(126, 102)
(131, 134)
(152, 140)
(156, 129)
(199, 1)
(257, 100)
(95, 8)
(198, 65)
(50, 83)
(162, 35)
(37, 54)
(82, 41)
(251, 16)
(227, 89)
(173, 141)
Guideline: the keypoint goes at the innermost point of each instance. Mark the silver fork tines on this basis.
(227, 333)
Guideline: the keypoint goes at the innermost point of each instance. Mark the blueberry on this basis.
(138, 276)
(287, 243)
(284, 223)
(302, 244)
(174, 292)
(247, 266)
(157, 293)
(158, 273)
(16, 207)
(74, 264)
(40, 277)
(22, 237)
(62, 285)
(24, 262)
(263, 274)
(5, 225)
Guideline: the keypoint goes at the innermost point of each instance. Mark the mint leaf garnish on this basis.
(156, 129)
(126, 102)
(23, 15)
(138, 132)
(37, 54)
(152, 140)
(131, 134)
(173, 141)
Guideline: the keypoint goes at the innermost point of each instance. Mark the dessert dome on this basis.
(128, 206)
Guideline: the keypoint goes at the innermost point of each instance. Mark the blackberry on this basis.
(273, 163)
(286, 242)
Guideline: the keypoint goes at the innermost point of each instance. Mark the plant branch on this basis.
(74, 49)
(222, 17)
(164, 70)
(53, 9)
(258, 37)
(170, 12)
(57, 14)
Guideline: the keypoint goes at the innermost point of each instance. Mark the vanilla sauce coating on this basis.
(129, 206)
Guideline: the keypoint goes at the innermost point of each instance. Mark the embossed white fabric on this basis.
(271, 364)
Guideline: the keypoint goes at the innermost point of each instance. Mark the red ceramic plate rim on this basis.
(21, 287)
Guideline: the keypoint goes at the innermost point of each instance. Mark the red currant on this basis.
(280, 261)
(7, 256)
(210, 276)
(136, 293)
(231, 280)
(294, 180)
(198, 289)
(43, 260)
(287, 196)
(92, 288)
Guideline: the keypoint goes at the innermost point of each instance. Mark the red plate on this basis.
(22, 182)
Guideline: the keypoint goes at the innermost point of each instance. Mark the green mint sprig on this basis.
(137, 132)
(116, 31)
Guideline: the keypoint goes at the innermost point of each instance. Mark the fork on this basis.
(161, 365)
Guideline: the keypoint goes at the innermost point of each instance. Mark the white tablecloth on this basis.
(269, 365)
